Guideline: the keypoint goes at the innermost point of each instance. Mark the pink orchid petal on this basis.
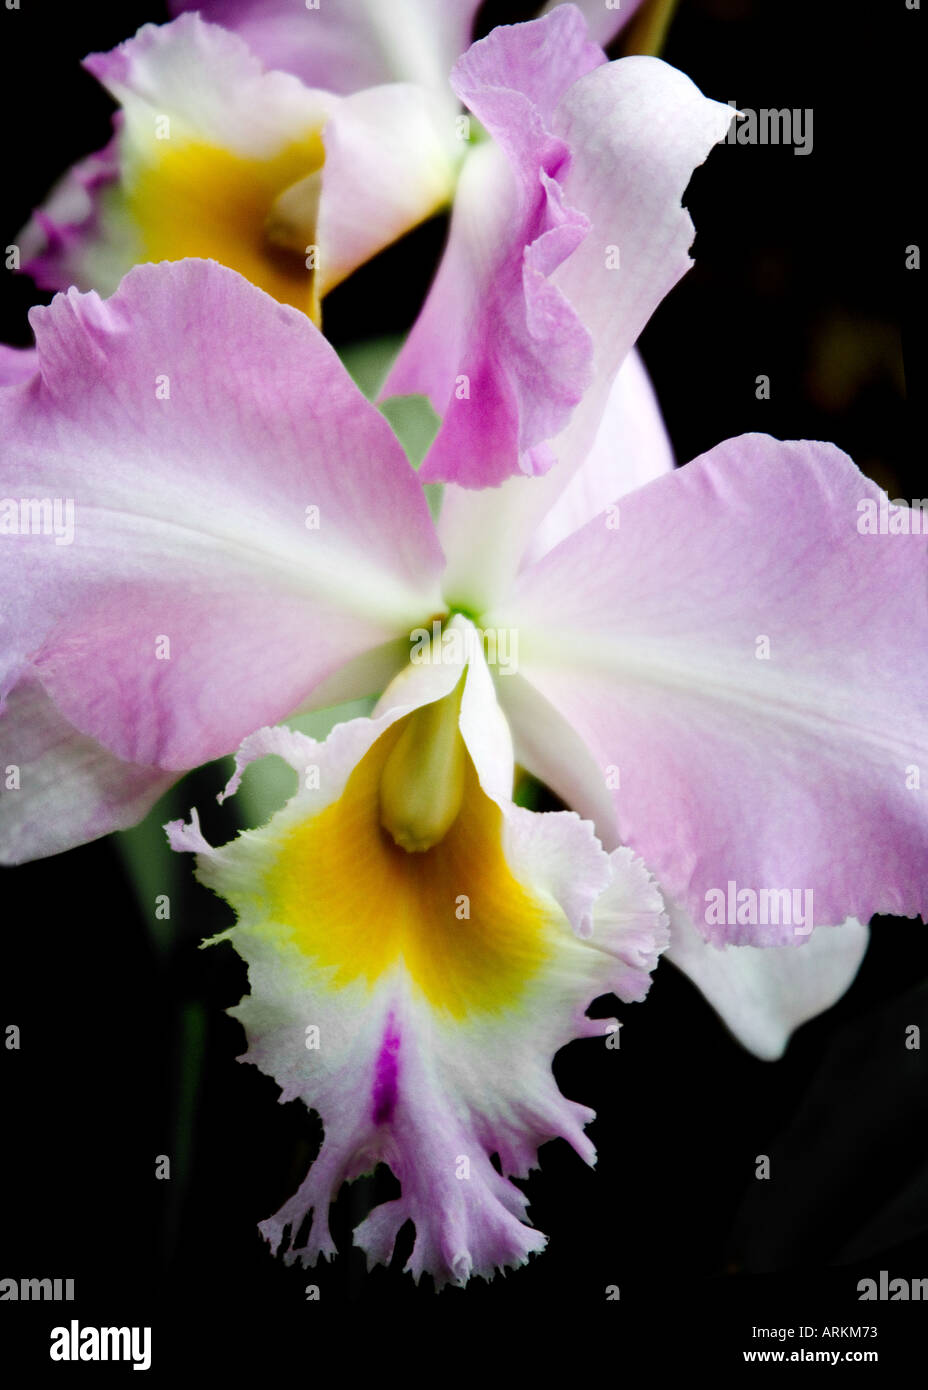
(195, 424)
(17, 364)
(764, 994)
(795, 773)
(345, 45)
(69, 241)
(514, 79)
(566, 235)
(604, 20)
(551, 749)
(210, 85)
(630, 448)
(68, 789)
(497, 349)
(637, 128)
(481, 532)
(391, 156)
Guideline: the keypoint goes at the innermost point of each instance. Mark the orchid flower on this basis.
(645, 190)
(295, 183)
(418, 949)
(705, 675)
(213, 156)
(257, 544)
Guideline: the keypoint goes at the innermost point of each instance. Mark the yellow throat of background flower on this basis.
(193, 199)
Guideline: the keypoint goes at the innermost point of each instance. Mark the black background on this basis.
(126, 1052)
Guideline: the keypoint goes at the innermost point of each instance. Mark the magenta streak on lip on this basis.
(384, 1094)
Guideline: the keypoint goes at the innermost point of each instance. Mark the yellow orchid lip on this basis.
(197, 199)
(417, 998)
(469, 936)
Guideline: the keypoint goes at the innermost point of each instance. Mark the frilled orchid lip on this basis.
(415, 997)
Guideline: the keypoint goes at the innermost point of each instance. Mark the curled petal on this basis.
(638, 129)
(563, 242)
(498, 349)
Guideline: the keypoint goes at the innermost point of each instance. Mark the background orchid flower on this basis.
(214, 156)
(198, 605)
(295, 186)
(425, 1043)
